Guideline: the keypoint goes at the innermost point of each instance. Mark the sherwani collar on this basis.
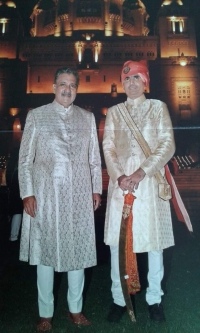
(138, 108)
(60, 108)
(135, 102)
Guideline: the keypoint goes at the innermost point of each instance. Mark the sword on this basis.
(124, 277)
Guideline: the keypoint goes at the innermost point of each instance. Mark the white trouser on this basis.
(45, 280)
(155, 276)
(15, 226)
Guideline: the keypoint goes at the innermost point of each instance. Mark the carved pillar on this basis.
(120, 31)
(108, 30)
(71, 16)
(57, 24)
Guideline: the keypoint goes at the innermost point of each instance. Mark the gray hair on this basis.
(67, 71)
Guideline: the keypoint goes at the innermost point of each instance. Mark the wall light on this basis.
(104, 111)
(96, 53)
(13, 111)
(182, 60)
(3, 21)
(17, 125)
(88, 36)
(80, 47)
(114, 90)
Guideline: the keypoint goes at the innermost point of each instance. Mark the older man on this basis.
(129, 169)
(60, 184)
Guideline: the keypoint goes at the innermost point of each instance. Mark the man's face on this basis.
(133, 86)
(65, 89)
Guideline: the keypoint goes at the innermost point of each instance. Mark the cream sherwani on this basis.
(152, 225)
(59, 164)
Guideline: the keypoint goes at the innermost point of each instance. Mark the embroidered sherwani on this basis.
(59, 164)
(152, 225)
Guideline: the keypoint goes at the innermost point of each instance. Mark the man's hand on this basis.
(96, 200)
(30, 205)
(134, 179)
(123, 182)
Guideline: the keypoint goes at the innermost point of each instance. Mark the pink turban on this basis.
(136, 68)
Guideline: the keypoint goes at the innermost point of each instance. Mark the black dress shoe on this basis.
(116, 312)
(156, 312)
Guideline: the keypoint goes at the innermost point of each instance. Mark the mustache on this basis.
(65, 93)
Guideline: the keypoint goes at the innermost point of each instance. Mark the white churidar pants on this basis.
(155, 276)
(15, 226)
(45, 280)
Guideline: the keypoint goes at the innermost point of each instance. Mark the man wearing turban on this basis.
(130, 170)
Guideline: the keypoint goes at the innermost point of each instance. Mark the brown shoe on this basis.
(78, 319)
(44, 325)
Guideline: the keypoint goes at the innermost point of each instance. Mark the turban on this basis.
(136, 68)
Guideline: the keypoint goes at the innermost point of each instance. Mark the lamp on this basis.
(182, 60)
(104, 111)
(114, 90)
(17, 134)
(13, 111)
(88, 36)
(17, 125)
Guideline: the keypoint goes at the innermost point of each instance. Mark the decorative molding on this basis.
(50, 27)
(173, 42)
(142, 11)
(145, 31)
(176, 60)
(179, 80)
(114, 17)
(183, 35)
(63, 17)
(32, 32)
(88, 71)
(128, 26)
(37, 11)
(89, 19)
